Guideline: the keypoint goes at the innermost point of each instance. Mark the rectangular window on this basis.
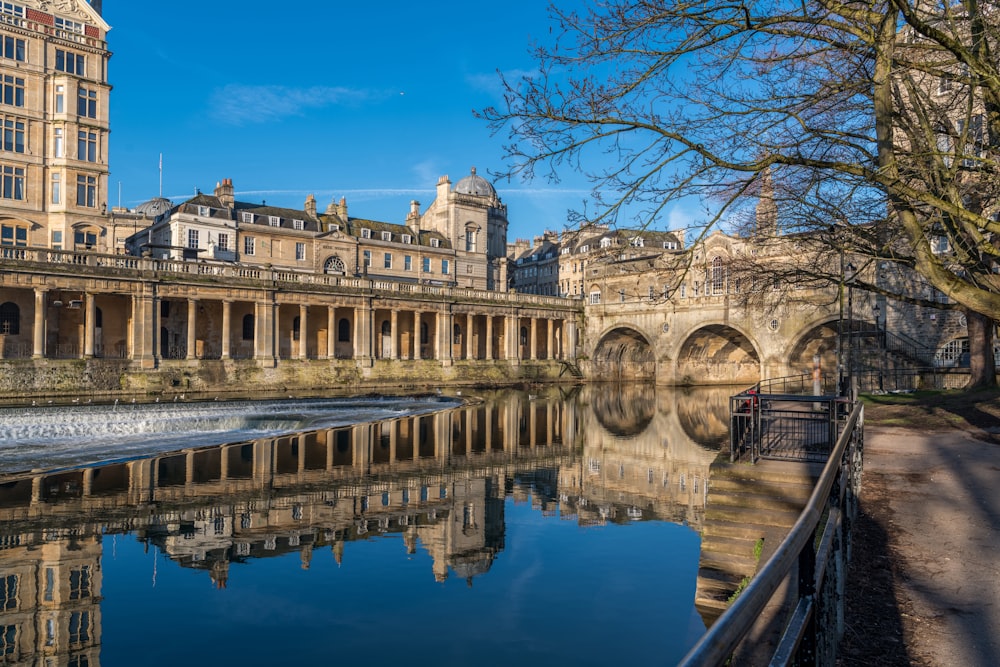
(407, 263)
(246, 217)
(56, 245)
(8, 640)
(203, 211)
(11, 9)
(387, 260)
(274, 221)
(11, 182)
(86, 103)
(8, 592)
(86, 150)
(470, 240)
(426, 264)
(14, 48)
(58, 144)
(60, 99)
(386, 236)
(13, 135)
(12, 93)
(79, 627)
(435, 243)
(86, 191)
(298, 225)
(595, 297)
(367, 258)
(366, 233)
(69, 62)
(248, 245)
(88, 240)
(223, 242)
(56, 188)
(300, 252)
(79, 583)
(69, 26)
(445, 266)
(192, 238)
(406, 238)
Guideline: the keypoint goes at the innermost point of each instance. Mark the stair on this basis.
(746, 503)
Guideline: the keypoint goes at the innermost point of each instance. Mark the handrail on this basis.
(717, 645)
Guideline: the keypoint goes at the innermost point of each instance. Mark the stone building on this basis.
(535, 265)
(54, 103)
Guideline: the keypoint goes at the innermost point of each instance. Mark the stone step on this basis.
(758, 501)
(786, 472)
(741, 565)
(751, 517)
(736, 546)
(732, 530)
(783, 489)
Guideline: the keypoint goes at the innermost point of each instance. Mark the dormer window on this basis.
(366, 233)
(298, 225)
(585, 248)
(246, 217)
(407, 239)
(435, 243)
(66, 24)
(564, 251)
(669, 245)
(334, 227)
(386, 236)
(274, 221)
(605, 243)
(637, 242)
(204, 211)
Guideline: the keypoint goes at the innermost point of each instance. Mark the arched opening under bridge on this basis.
(624, 354)
(717, 354)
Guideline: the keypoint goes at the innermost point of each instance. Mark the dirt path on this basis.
(925, 576)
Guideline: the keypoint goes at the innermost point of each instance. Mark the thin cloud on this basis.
(492, 84)
(238, 104)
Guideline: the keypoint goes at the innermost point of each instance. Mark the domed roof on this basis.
(475, 185)
(154, 207)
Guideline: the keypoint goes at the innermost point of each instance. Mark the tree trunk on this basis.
(982, 368)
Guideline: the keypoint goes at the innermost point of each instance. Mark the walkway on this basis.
(931, 502)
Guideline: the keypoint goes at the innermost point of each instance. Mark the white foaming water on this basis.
(65, 436)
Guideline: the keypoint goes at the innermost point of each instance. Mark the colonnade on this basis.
(155, 322)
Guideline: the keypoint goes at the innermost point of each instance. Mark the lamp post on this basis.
(849, 278)
(881, 346)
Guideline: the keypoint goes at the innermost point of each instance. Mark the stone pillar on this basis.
(533, 339)
(549, 338)
(489, 336)
(331, 332)
(363, 334)
(264, 340)
(227, 328)
(89, 325)
(393, 334)
(416, 334)
(192, 341)
(143, 335)
(469, 324)
(303, 331)
(570, 334)
(38, 350)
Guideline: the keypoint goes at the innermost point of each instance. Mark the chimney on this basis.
(342, 209)
(224, 191)
(311, 205)
(413, 218)
(443, 188)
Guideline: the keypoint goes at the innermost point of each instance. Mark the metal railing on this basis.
(816, 624)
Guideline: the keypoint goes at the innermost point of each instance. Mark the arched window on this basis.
(524, 335)
(10, 319)
(344, 330)
(334, 265)
(718, 276)
(248, 327)
(386, 328)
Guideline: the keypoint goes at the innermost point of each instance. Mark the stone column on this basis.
(303, 331)
(38, 350)
(549, 338)
(489, 336)
(533, 339)
(393, 334)
(416, 334)
(227, 328)
(89, 325)
(331, 332)
(142, 340)
(570, 340)
(265, 350)
(191, 328)
(469, 323)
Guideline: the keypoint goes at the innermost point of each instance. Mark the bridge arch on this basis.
(717, 354)
(624, 353)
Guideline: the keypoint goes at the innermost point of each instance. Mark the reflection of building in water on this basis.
(50, 587)
(638, 461)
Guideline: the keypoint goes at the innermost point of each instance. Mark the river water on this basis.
(559, 526)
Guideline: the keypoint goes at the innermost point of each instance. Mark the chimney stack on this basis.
(224, 191)
(311, 205)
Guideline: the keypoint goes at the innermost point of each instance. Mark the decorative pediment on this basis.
(74, 9)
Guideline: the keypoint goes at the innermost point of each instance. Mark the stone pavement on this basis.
(941, 500)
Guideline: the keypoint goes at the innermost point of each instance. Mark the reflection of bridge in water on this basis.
(437, 480)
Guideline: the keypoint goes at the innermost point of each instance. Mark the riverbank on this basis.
(925, 579)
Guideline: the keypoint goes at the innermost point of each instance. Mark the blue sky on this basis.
(372, 102)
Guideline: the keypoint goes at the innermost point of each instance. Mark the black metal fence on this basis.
(816, 625)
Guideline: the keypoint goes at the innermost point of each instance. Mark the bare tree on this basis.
(883, 115)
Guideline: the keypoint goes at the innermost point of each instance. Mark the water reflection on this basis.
(438, 484)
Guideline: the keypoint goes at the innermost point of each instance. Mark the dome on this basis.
(475, 185)
(154, 207)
